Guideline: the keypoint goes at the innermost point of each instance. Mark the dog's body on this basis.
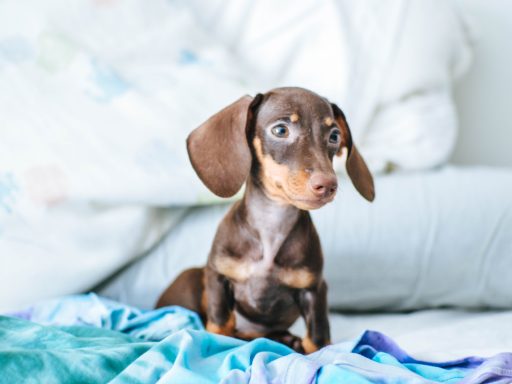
(265, 265)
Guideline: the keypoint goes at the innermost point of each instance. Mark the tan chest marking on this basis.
(241, 270)
(238, 270)
(296, 278)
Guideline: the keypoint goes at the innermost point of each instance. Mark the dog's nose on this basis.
(323, 185)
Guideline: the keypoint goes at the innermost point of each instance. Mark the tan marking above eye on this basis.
(294, 117)
(328, 121)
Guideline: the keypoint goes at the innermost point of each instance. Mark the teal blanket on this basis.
(97, 352)
(43, 354)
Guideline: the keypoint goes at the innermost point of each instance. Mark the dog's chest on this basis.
(260, 265)
(242, 270)
(269, 250)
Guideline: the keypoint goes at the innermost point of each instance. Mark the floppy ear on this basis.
(218, 148)
(356, 167)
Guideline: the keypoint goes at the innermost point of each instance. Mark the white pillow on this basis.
(94, 118)
(97, 99)
(437, 238)
(390, 65)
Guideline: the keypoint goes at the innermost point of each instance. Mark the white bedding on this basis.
(97, 99)
(384, 62)
(436, 335)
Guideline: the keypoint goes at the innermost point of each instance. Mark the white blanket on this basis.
(390, 65)
(97, 98)
(436, 334)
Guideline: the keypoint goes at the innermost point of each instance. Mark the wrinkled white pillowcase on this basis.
(96, 144)
(435, 238)
(389, 65)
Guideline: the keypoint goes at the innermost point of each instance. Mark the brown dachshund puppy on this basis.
(265, 265)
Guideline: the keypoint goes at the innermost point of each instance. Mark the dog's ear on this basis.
(218, 148)
(356, 167)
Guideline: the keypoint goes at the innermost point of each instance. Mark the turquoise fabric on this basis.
(34, 353)
(90, 309)
(37, 353)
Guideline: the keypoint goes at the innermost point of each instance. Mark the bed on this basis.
(97, 194)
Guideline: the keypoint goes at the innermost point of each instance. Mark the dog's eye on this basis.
(280, 131)
(334, 137)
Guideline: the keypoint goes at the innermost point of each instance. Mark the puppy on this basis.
(265, 265)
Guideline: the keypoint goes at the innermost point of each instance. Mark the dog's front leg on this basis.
(313, 305)
(219, 304)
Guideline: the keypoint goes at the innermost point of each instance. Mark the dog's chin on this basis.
(308, 202)
(311, 204)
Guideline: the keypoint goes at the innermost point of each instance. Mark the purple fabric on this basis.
(373, 342)
(495, 369)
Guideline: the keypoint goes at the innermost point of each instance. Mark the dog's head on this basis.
(286, 139)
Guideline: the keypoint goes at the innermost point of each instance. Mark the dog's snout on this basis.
(323, 185)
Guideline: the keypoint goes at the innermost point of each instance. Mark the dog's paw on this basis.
(288, 339)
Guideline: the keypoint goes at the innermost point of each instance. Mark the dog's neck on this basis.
(272, 220)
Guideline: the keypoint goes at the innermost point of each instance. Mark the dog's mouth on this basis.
(296, 195)
(305, 202)
(311, 203)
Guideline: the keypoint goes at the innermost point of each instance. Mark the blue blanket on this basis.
(95, 341)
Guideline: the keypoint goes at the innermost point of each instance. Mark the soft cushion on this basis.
(97, 99)
(437, 238)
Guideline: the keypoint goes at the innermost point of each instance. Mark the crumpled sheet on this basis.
(94, 311)
(85, 353)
